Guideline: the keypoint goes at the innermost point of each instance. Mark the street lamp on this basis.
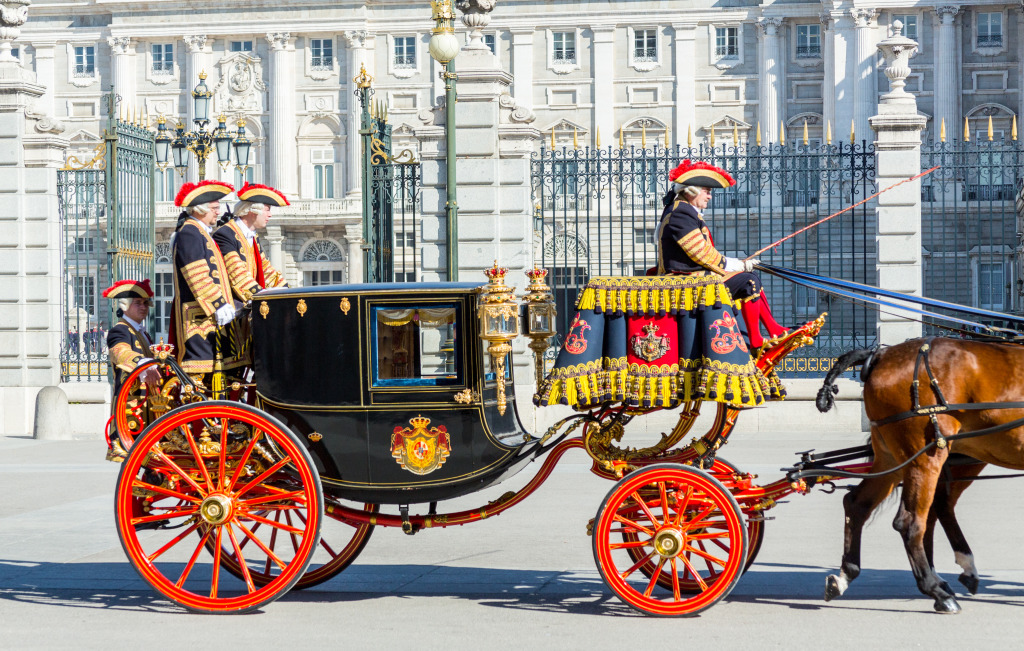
(200, 141)
(444, 47)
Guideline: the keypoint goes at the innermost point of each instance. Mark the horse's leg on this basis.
(946, 497)
(919, 481)
(858, 504)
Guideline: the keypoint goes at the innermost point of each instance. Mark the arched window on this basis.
(322, 263)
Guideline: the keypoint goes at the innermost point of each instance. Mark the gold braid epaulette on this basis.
(652, 295)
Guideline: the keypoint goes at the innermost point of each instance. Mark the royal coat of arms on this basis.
(651, 346)
(419, 450)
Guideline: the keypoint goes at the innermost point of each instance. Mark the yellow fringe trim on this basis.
(653, 294)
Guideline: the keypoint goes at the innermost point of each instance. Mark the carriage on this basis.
(369, 406)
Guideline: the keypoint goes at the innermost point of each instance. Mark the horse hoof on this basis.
(832, 587)
(947, 606)
(970, 582)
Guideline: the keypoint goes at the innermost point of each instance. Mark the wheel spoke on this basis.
(675, 581)
(693, 572)
(184, 475)
(223, 456)
(711, 570)
(708, 558)
(192, 561)
(681, 507)
(240, 559)
(271, 556)
(215, 581)
(152, 557)
(629, 545)
(171, 513)
(695, 522)
(295, 544)
(267, 473)
(278, 525)
(643, 505)
(245, 457)
(138, 483)
(654, 577)
(637, 566)
(273, 498)
(199, 459)
(664, 502)
(634, 525)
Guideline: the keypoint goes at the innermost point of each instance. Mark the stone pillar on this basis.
(358, 55)
(275, 237)
(844, 55)
(354, 237)
(865, 87)
(828, 88)
(522, 65)
(946, 81)
(770, 69)
(122, 69)
(604, 81)
(31, 151)
(898, 150)
(198, 48)
(45, 75)
(686, 85)
(284, 169)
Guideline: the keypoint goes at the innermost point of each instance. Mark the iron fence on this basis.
(598, 211)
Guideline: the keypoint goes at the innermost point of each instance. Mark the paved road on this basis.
(525, 579)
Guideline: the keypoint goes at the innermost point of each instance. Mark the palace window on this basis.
(909, 24)
(85, 61)
(645, 45)
(163, 58)
(85, 294)
(405, 52)
(563, 47)
(808, 41)
(727, 42)
(85, 244)
(992, 287)
(323, 173)
(644, 235)
(322, 51)
(163, 294)
(165, 184)
(489, 42)
(240, 46)
(242, 179)
(990, 29)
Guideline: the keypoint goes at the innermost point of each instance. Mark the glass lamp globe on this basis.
(444, 47)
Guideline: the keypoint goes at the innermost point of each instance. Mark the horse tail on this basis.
(826, 393)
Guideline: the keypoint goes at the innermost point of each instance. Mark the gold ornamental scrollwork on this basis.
(405, 157)
(264, 309)
(98, 162)
(378, 156)
(345, 306)
(301, 307)
(466, 397)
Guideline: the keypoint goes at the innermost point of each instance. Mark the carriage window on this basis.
(415, 346)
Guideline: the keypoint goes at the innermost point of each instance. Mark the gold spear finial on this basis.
(806, 140)
(967, 130)
(990, 128)
(666, 138)
(621, 144)
(942, 130)
(828, 132)
(758, 139)
(689, 136)
(853, 131)
(1013, 129)
(643, 136)
(712, 137)
(552, 137)
(597, 141)
(735, 135)
(782, 133)
(575, 142)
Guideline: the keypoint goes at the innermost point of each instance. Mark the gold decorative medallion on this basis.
(419, 450)
(651, 346)
(315, 437)
(466, 397)
(345, 306)
(264, 309)
(301, 307)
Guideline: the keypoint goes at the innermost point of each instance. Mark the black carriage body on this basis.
(341, 369)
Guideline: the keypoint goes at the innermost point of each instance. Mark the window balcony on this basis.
(727, 51)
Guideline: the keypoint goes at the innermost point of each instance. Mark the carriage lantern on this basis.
(499, 324)
(540, 317)
(162, 142)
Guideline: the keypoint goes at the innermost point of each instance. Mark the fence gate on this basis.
(598, 210)
(106, 206)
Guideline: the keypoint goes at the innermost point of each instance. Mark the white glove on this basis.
(748, 265)
(225, 313)
(733, 264)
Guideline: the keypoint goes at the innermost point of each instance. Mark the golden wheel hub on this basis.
(216, 509)
(668, 542)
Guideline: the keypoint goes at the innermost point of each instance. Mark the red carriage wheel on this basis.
(215, 468)
(134, 409)
(755, 536)
(684, 522)
(330, 558)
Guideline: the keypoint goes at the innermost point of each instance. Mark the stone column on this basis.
(275, 237)
(354, 237)
(45, 75)
(522, 65)
(946, 81)
(284, 169)
(686, 85)
(198, 48)
(865, 87)
(122, 69)
(770, 69)
(31, 151)
(828, 88)
(844, 54)
(898, 150)
(358, 56)
(604, 81)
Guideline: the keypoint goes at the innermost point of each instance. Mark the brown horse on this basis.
(965, 372)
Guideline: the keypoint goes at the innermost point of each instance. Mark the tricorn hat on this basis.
(129, 289)
(255, 193)
(701, 174)
(193, 194)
